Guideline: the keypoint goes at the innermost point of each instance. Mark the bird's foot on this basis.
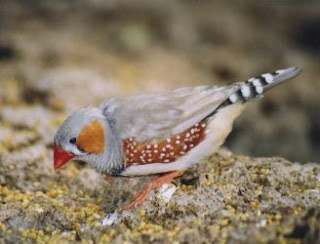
(140, 197)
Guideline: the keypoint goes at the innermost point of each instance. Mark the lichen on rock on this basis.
(224, 198)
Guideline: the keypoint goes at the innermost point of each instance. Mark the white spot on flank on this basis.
(131, 154)
(188, 134)
(164, 149)
(155, 145)
(148, 146)
(135, 151)
(233, 98)
(149, 160)
(185, 147)
(178, 137)
(162, 155)
(172, 153)
(268, 78)
(168, 146)
(182, 152)
(130, 139)
(196, 125)
(192, 131)
(191, 145)
(203, 125)
(142, 159)
(168, 140)
(245, 90)
(177, 142)
(155, 151)
(167, 161)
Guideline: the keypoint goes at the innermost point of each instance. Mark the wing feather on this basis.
(159, 115)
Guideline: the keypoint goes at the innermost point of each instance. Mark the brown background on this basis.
(65, 54)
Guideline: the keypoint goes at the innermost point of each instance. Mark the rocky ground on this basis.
(226, 198)
(57, 57)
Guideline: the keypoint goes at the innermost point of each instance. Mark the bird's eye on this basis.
(73, 140)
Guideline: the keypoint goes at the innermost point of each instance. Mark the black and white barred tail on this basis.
(255, 87)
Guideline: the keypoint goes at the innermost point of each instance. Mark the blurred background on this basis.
(56, 56)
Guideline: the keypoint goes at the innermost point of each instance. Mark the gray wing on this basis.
(159, 115)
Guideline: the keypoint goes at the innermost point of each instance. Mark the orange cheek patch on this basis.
(91, 138)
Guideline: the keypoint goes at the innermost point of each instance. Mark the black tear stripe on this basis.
(81, 150)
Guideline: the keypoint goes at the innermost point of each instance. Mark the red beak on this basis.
(61, 157)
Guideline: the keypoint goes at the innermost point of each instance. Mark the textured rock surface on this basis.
(225, 198)
(58, 57)
(68, 54)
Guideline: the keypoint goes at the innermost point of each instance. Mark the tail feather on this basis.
(254, 88)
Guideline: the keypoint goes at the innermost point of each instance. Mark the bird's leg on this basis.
(140, 197)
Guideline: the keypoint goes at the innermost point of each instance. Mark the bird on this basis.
(162, 133)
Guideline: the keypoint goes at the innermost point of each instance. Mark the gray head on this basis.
(80, 135)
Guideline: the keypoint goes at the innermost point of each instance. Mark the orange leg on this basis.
(140, 197)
